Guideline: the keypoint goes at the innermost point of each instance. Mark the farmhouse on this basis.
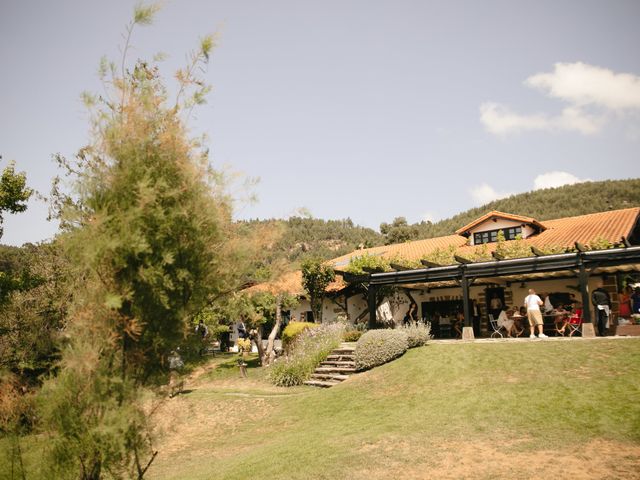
(489, 263)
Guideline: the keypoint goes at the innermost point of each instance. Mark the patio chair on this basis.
(496, 328)
(575, 323)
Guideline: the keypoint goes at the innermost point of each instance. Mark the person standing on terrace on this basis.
(533, 303)
(601, 300)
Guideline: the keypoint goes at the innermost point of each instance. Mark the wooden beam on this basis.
(399, 268)
(497, 256)
(580, 247)
(460, 259)
(625, 242)
(429, 264)
(537, 252)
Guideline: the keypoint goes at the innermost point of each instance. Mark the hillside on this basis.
(567, 201)
(303, 237)
(445, 411)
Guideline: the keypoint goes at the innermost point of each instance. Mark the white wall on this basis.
(500, 224)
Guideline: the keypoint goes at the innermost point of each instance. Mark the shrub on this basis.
(292, 331)
(417, 333)
(311, 347)
(352, 335)
(376, 347)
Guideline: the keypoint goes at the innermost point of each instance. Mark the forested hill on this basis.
(304, 237)
(301, 237)
(546, 204)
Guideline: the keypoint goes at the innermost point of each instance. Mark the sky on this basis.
(365, 109)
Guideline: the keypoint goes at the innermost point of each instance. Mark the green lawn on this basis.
(566, 409)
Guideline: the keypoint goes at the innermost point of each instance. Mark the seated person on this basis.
(505, 321)
(573, 319)
(458, 324)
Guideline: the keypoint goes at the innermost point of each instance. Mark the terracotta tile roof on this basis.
(497, 214)
(562, 232)
(292, 283)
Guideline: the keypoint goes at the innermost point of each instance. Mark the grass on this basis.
(566, 409)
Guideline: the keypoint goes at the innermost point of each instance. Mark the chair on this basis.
(496, 328)
(575, 322)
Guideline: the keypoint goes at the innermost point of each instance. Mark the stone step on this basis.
(335, 370)
(338, 364)
(344, 351)
(341, 357)
(329, 376)
(320, 383)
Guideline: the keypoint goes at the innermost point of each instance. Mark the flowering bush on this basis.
(311, 347)
(376, 347)
(352, 335)
(294, 329)
(417, 333)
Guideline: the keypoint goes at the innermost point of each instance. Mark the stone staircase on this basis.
(336, 368)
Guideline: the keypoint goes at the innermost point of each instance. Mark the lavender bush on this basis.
(307, 351)
(376, 347)
(417, 333)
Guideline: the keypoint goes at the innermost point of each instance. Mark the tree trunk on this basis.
(256, 336)
(269, 356)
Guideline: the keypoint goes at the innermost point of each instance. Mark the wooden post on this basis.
(371, 301)
(467, 330)
(583, 281)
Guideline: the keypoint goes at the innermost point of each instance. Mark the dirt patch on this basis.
(519, 459)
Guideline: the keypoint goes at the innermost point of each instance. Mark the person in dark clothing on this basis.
(602, 303)
(412, 315)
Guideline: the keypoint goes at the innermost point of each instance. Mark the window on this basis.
(492, 235)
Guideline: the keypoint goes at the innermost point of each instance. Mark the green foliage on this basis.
(311, 347)
(293, 330)
(442, 256)
(400, 231)
(517, 248)
(33, 317)
(13, 192)
(352, 335)
(377, 347)
(358, 265)
(316, 276)
(600, 243)
(302, 238)
(417, 333)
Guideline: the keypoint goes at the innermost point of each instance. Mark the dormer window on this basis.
(492, 235)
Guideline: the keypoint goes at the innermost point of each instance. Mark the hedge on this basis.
(376, 347)
(291, 332)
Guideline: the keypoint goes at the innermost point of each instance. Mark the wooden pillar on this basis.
(468, 321)
(467, 330)
(583, 282)
(371, 302)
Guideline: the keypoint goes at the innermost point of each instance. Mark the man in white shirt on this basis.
(533, 303)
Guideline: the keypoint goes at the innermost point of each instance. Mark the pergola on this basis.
(580, 264)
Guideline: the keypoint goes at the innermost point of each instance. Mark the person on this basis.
(495, 304)
(624, 298)
(548, 306)
(601, 300)
(505, 321)
(534, 315)
(242, 329)
(202, 329)
(574, 319)
(412, 314)
(635, 301)
(475, 315)
(458, 323)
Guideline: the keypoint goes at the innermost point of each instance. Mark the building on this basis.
(493, 260)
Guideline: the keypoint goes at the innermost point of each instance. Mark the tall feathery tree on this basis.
(149, 221)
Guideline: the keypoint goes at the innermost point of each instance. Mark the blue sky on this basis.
(362, 109)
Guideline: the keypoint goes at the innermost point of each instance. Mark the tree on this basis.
(316, 276)
(14, 193)
(149, 221)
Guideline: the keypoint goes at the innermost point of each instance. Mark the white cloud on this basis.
(428, 217)
(593, 94)
(556, 179)
(485, 193)
(582, 84)
(500, 120)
